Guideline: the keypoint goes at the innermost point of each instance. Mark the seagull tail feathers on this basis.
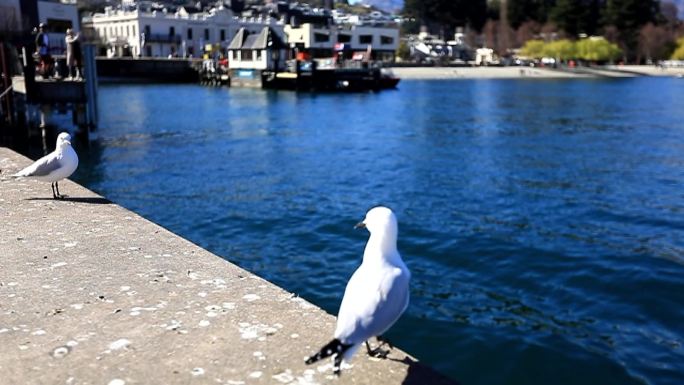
(25, 172)
(334, 347)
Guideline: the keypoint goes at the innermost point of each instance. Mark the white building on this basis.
(189, 33)
(162, 34)
(322, 41)
(262, 51)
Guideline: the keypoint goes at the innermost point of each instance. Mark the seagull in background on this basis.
(376, 295)
(54, 166)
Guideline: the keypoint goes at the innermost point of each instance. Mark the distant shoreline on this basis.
(530, 72)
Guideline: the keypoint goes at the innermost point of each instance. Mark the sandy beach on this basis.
(529, 72)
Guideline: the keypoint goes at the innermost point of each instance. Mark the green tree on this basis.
(533, 48)
(403, 51)
(577, 16)
(448, 14)
(597, 49)
(678, 54)
(567, 14)
(628, 16)
(590, 21)
(520, 11)
(416, 9)
(477, 13)
(560, 49)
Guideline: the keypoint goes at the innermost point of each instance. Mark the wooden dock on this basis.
(30, 92)
(51, 91)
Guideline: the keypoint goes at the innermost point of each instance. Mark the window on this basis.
(386, 40)
(206, 34)
(366, 39)
(172, 31)
(128, 30)
(57, 25)
(343, 38)
(147, 30)
(223, 34)
(246, 54)
(189, 33)
(258, 55)
(321, 37)
(134, 33)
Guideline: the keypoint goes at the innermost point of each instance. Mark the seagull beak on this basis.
(360, 225)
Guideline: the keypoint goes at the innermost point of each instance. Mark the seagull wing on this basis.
(42, 167)
(373, 301)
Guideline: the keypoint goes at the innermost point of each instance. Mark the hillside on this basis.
(385, 5)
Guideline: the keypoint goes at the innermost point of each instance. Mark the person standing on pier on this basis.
(73, 54)
(43, 49)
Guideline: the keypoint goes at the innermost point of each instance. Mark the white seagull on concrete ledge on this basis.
(376, 295)
(54, 166)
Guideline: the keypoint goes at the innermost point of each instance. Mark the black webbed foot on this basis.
(378, 352)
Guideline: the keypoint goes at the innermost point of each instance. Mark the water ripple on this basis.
(543, 221)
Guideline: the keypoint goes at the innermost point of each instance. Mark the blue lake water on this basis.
(543, 220)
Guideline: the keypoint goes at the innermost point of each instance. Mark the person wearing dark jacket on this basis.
(43, 50)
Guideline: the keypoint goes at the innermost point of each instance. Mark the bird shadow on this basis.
(419, 374)
(89, 200)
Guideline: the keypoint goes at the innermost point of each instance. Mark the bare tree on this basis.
(653, 40)
(498, 36)
(612, 34)
(549, 32)
(491, 32)
(528, 30)
(669, 11)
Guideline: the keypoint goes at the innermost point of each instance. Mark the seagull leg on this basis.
(52, 185)
(378, 352)
(384, 341)
(337, 364)
(59, 196)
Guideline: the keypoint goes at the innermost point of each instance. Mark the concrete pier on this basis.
(91, 293)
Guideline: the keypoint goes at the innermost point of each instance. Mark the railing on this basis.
(162, 38)
(5, 92)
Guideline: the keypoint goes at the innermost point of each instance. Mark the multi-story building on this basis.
(322, 41)
(191, 32)
(158, 33)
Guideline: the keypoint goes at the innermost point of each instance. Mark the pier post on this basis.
(90, 76)
(5, 92)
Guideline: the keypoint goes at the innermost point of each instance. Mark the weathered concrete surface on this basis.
(91, 293)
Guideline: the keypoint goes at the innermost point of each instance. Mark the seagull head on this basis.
(379, 219)
(63, 139)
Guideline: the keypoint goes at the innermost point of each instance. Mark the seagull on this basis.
(54, 166)
(376, 295)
